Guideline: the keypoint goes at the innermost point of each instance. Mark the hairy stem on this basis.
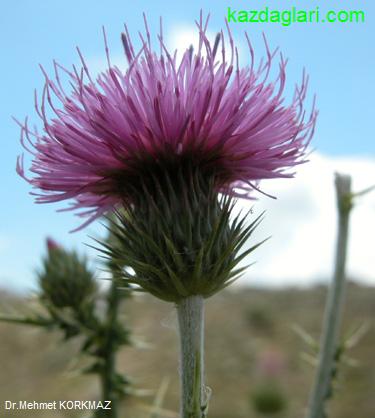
(335, 300)
(191, 327)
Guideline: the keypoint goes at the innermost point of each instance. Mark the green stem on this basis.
(335, 300)
(191, 327)
(108, 374)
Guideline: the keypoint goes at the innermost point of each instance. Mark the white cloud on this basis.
(182, 37)
(302, 222)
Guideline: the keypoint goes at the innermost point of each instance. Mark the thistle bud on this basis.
(268, 399)
(52, 244)
(65, 279)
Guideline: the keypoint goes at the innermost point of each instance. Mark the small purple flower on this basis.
(230, 123)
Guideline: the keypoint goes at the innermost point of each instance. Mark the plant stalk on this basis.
(334, 306)
(191, 327)
(108, 374)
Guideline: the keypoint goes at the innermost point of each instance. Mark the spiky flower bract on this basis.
(230, 122)
(65, 279)
(181, 241)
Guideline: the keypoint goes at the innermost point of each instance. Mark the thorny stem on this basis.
(335, 300)
(191, 327)
(108, 373)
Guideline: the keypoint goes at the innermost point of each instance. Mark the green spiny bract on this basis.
(65, 280)
(179, 238)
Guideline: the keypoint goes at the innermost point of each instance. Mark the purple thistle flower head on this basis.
(110, 136)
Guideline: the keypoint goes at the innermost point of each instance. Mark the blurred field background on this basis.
(244, 327)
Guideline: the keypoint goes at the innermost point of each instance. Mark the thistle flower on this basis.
(159, 142)
(271, 363)
(112, 137)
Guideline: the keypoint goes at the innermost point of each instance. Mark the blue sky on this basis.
(339, 58)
